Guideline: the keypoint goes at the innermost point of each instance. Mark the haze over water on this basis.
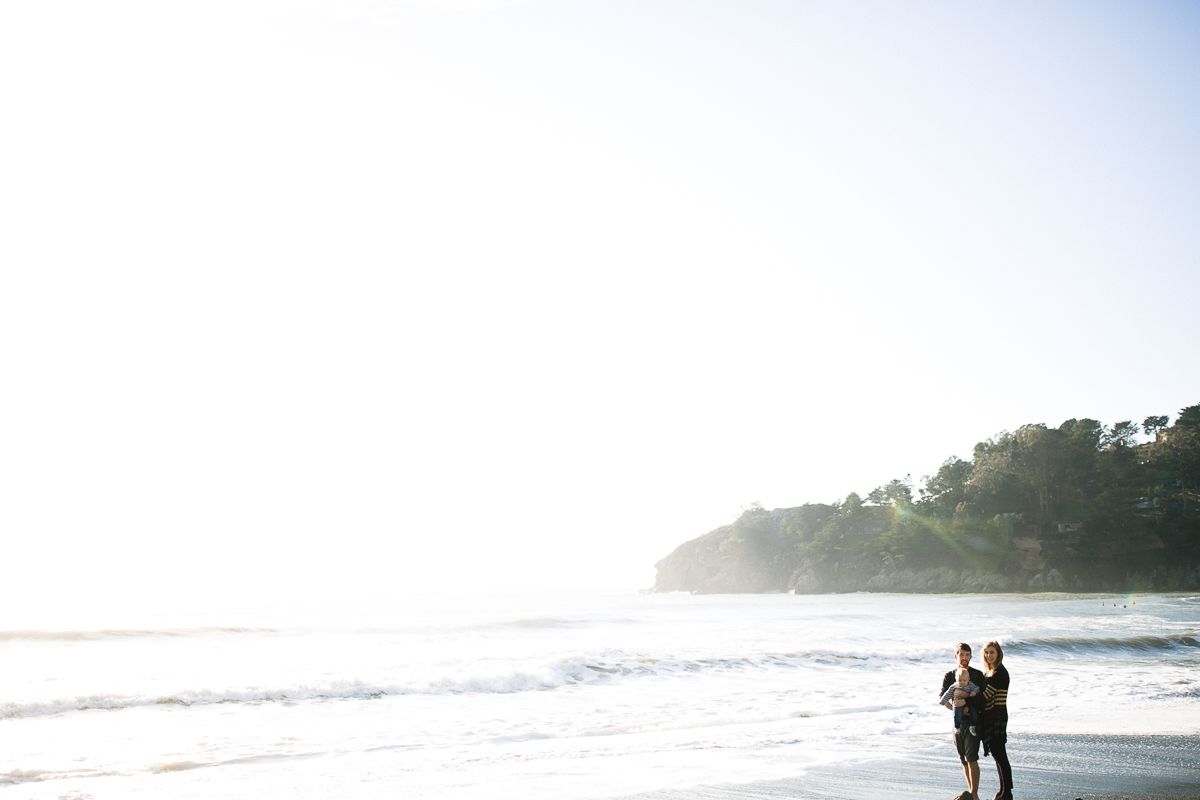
(563, 696)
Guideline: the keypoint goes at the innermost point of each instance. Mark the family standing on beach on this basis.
(979, 701)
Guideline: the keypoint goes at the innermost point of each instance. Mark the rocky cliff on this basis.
(765, 551)
(721, 562)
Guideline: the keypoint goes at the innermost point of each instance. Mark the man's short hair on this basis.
(963, 646)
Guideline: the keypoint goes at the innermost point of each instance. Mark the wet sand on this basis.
(1045, 767)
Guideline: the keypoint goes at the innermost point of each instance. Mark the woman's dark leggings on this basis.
(1003, 769)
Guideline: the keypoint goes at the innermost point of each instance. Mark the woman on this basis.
(994, 722)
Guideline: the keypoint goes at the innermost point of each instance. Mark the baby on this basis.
(964, 683)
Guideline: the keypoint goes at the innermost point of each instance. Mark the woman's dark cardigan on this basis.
(994, 722)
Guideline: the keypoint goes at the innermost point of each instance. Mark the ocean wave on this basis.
(1179, 689)
(176, 766)
(548, 676)
(483, 677)
(480, 678)
(113, 633)
(25, 775)
(540, 622)
(38, 775)
(530, 623)
(1097, 645)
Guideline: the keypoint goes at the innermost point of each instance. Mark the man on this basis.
(966, 744)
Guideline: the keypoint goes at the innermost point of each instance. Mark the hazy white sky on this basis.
(479, 295)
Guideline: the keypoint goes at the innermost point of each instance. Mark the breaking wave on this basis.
(109, 634)
(1087, 645)
(480, 679)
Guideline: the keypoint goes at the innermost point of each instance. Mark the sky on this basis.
(489, 296)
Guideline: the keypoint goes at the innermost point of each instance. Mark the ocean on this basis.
(558, 696)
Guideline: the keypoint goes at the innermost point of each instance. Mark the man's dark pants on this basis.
(966, 745)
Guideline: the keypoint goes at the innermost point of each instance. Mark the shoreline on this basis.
(1045, 767)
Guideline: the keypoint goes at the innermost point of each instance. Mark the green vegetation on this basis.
(1081, 494)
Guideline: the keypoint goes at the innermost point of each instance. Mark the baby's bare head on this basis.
(964, 677)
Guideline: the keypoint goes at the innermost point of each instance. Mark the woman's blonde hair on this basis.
(990, 668)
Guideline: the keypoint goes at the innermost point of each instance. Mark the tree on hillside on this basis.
(810, 518)
(899, 490)
(893, 492)
(1177, 449)
(1013, 473)
(839, 531)
(1152, 425)
(1121, 434)
(1079, 472)
(945, 491)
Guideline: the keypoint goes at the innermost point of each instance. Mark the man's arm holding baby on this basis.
(973, 699)
(949, 697)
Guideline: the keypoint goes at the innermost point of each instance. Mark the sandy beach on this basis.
(1045, 767)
